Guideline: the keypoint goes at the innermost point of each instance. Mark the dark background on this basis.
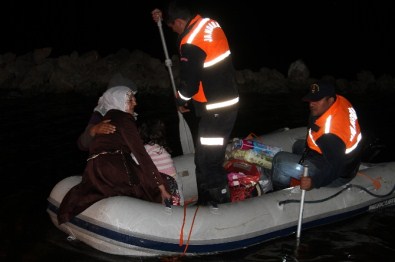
(338, 38)
(38, 134)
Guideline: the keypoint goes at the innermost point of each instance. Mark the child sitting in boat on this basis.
(153, 134)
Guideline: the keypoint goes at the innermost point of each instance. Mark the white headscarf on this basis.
(116, 97)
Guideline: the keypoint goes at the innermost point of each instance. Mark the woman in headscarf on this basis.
(118, 163)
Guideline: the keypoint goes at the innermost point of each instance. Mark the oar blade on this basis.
(186, 138)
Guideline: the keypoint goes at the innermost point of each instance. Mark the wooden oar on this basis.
(185, 133)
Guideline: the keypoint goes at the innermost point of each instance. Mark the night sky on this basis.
(339, 38)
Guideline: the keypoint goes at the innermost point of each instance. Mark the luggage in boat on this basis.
(246, 180)
(252, 151)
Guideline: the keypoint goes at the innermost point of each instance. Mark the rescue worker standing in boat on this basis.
(207, 77)
(332, 149)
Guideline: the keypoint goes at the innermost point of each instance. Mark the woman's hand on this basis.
(165, 195)
(104, 127)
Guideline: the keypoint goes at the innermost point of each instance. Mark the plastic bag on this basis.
(252, 151)
(246, 180)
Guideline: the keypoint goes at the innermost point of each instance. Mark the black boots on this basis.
(214, 196)
(220, 195)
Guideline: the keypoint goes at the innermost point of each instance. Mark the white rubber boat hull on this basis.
(128, 226)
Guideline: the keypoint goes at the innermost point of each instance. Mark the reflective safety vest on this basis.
(208, 35)
(341, 120)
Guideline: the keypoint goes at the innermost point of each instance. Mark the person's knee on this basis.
(285, 166)
(299, 146)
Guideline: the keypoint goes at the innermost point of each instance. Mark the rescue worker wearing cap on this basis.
(332, 149)
(207, 78)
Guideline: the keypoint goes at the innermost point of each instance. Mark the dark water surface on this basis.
(38, 148)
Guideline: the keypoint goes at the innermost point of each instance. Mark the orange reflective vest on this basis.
(341, 120)
(207, 34)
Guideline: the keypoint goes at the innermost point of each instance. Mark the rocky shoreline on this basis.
(39, 72)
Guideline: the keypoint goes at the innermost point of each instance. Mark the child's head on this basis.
(153, 131)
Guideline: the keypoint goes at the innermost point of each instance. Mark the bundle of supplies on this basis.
(253, 151)
(246, 180)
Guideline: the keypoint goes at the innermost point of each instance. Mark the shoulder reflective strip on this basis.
(328, 124)
(196, 31)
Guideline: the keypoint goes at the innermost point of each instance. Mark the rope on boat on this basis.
(288, 201)
(190, 231)
(181, 243)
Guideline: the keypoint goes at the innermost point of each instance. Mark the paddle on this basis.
(305, 172)
(185, 132)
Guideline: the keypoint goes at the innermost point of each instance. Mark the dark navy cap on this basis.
(319, 90)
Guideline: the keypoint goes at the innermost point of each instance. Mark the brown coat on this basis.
(114, 173)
